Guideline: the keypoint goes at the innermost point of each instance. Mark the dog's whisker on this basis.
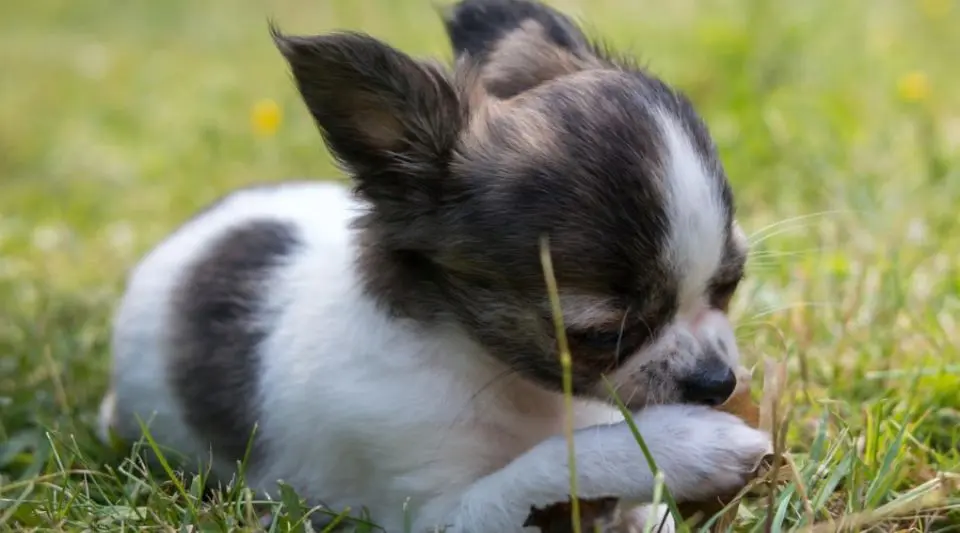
(780, 308)
(633, 394)
(486, 387)
(802, 219)
(775, 233)
(623, 325)
(761, 254)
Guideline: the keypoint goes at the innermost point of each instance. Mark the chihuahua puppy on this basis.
(391, 346)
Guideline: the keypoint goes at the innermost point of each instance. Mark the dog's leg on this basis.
(702, 453)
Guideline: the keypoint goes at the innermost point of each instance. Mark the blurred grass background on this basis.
(838, 122)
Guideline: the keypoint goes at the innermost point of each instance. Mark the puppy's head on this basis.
(537, 133)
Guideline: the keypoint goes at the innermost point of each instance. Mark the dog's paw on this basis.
(704, 453)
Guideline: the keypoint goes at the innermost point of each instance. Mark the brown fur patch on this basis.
(525, 58)
(591, 311)
(527, 131)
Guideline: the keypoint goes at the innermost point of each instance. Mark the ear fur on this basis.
(391, 120)
(519, 44)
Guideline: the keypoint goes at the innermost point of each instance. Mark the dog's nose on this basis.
(711, 384)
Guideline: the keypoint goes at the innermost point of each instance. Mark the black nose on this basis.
(711, 384)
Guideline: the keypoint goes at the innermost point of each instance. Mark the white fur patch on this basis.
(694, 207)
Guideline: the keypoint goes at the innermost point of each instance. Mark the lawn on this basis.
(838, 123)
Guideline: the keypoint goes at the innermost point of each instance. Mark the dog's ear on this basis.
(517, 44)
(390, 119)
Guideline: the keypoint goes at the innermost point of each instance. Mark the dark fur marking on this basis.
(218, 330)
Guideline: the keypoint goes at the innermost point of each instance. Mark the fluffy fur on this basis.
(391, 347)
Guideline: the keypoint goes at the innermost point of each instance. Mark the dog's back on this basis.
(191, 305)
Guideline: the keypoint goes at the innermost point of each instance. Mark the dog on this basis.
(390, 346)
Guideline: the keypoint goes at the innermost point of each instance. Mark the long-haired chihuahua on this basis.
(391, 346)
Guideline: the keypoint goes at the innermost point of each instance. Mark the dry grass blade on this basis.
(774, 380)
(931, 496)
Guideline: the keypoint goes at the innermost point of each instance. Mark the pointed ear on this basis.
(388, 118)
(518, 44)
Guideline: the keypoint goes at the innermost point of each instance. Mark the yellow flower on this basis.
(913, 86)
(265, 117)
(936, 8)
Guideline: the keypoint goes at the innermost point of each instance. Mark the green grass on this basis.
(838, 122)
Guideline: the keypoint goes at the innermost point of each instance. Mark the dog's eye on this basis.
(600, 340)
(723, 292)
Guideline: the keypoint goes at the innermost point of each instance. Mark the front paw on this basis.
(704, 453)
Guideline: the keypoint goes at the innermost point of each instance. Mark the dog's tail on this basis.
(523, 42)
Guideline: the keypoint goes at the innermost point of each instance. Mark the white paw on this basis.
(704, 453)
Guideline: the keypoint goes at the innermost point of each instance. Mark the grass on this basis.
(838, 122)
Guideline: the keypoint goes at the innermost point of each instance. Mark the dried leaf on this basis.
(556, 518)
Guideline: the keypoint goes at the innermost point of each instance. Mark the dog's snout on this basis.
(710, 384)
